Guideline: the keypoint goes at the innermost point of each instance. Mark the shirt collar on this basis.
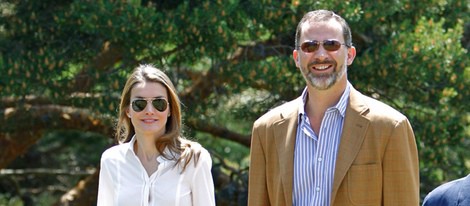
(130, 144)
(340, 106)
(160, 158)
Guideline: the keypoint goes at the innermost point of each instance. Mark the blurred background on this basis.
(63, 65)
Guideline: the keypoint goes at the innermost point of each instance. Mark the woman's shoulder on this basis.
(115, 151)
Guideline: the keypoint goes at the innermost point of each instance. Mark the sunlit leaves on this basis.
(422, 68)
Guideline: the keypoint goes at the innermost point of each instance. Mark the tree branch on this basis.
(44, 171)
(23, 126)
(222, 132)
(110, 54)
(84, 193)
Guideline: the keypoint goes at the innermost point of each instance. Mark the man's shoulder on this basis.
(377, 108)
(447, 192)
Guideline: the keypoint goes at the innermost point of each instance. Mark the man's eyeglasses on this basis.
(159, 104)
(312, 46)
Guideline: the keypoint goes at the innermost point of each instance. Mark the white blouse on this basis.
(123, 180)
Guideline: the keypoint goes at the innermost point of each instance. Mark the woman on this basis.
(153, 163)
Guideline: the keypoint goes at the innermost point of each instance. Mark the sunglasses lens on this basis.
(331, 45)
(312, 46)
(139, 104)
(160, 104)
(309, 46)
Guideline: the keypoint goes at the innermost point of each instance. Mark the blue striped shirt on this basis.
(315, 155)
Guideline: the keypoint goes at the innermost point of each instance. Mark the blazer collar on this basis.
(354, 129)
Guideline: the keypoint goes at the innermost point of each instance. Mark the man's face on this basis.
(323, 68)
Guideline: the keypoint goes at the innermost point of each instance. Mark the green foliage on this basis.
(10, 201)
(424, 65)
(231, 60)
(68, 155)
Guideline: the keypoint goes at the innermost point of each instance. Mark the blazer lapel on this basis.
(354, 128)
(285, 131)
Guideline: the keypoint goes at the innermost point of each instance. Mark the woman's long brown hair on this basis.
(183, 150)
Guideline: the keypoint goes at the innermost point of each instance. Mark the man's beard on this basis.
(323, 81)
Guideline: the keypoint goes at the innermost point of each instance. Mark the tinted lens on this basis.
(309, 46)
(312, 46)
(139, 104)
(160, 104)
(331, 45)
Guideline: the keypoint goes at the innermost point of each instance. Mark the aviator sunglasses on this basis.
(312, 46)
(159, 104)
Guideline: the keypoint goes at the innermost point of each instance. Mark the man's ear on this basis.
(351, 55)
(295, 56)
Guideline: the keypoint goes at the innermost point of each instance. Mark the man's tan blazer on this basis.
(377, 161)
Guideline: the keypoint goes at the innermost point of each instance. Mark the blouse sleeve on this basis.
(105, 184)
(203, 184)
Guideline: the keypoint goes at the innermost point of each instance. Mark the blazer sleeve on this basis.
(401, 167)
(257, 189)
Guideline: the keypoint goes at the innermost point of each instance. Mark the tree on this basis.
(63, 65)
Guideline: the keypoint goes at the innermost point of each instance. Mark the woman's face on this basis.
(149, 121)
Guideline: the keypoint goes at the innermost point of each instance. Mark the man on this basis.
(332, 145)
(454, 193)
